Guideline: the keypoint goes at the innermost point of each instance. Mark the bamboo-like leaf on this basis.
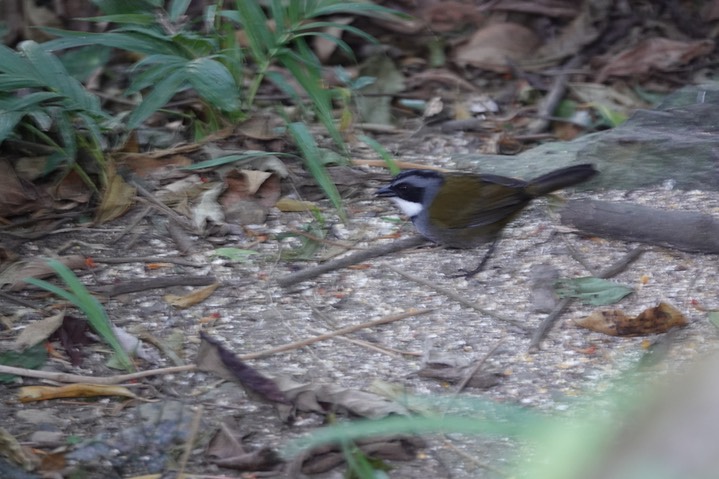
(177, 9)
(50, 70)
(157, 98)
(214, 83)
(254, 23)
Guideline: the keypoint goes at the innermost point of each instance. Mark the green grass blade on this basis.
(307, 145)
(87, 303)
(259, 35)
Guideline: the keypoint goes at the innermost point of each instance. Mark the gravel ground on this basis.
(250, 313)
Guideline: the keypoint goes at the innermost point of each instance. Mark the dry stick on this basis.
(149, 259)
(136, 221)
(358, 257)
(190, 442)
(121, 378)
(549, 321)
(150, 198)
(154, 283)
(555, 95)
(337, 332)
(452, 295)
(475, 368)
(396, 353)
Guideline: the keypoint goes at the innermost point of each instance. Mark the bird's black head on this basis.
(413, 190)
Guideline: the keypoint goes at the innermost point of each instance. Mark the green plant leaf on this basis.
(52, 73)
(177, 9)
(214, 83)
(254, 23)
(313, 161)
(33, 357)
(157, 98)
(224, 160)
(234, 254)
(382, 152)
(591, 290)
(87, 303)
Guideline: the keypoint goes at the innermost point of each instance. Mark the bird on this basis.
(465, 210)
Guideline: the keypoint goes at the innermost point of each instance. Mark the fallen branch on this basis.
(683, 230)
(358, 257)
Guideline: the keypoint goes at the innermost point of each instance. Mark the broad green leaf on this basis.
(591, 290)
(33, 357)
(214, 83)
(52, 72)
(8, 122)
(177, 9)
(157, 98)
(134, 42)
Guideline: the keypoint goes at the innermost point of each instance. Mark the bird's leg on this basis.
(490, 251)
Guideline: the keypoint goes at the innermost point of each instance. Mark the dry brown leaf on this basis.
(651, 321)
(145, 165)
(38, 331)
(79, 390)
(191, 299)
(16, 196)
(660, 54)
(15, 274)
(492, 47)
(262, 127)
(117, 198)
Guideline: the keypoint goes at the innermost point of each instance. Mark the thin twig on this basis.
(456, 297)
(137, 285)
(189, 444)
(380, 348)
(475, 368)
(149, 259)
(607, 273)
(133, 224)
(337, 332)
(358, 257)
(554, 97)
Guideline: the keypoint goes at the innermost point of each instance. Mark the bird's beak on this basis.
(385, 192)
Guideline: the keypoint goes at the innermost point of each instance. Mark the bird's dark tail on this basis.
(561, 178)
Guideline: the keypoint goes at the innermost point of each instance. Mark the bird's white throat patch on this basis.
(410, 208)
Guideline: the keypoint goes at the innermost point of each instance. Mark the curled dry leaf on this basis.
(191, 299)
(43, 393)
(215, 358)
(493, 46)
(651, 321)
(654, 54)
(15, 274)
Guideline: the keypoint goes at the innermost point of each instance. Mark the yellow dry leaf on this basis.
(79, 390)
(191, 299)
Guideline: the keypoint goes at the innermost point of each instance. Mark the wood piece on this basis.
(683, 230)
(358, 257)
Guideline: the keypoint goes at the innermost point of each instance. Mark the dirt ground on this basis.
(250, 313)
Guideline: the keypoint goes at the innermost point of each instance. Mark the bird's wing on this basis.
(478, 200)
